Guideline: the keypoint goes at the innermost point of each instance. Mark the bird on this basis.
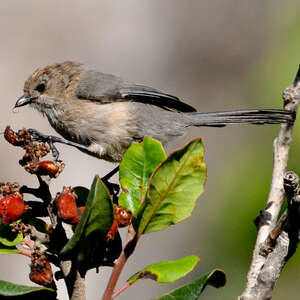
(102, 114)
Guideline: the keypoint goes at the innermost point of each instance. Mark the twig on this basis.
(131, 241)
(281, 146)
(291, 181)
(74, 282)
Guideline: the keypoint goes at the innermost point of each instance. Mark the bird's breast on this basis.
(106, 129)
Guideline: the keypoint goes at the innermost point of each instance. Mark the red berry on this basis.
(41, 272)
(66, 206)
(11, 207)
(122, 215)
(77, 219)
(10, 135)
(47, 167)
(16, 139)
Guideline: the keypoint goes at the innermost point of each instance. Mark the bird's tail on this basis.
(252, 116)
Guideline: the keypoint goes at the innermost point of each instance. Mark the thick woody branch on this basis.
(284, 241)
(74, 282)
(281, 146)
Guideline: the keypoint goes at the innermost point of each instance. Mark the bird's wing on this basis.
(106, 88)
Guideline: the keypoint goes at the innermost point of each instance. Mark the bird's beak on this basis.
(23, 100)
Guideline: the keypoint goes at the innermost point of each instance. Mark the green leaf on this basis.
(193, 290)
(8, 250)
(8, 237)
(166, 271)
(174, 188)
(97, 216)
(10, 289)
(96, 221)
(138, 163)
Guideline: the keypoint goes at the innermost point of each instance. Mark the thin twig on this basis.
(131, 241)
(291, 181)
(121, 290)
(281, 145)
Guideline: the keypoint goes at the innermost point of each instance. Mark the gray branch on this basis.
(265, 269)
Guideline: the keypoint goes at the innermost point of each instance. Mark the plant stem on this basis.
(119, 265)
(74, 282)
(121, 290)
(114, 276)
(79, 288)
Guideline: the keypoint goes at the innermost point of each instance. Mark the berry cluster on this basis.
(43, 244)
(34, 151)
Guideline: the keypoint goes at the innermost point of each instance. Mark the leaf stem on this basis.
(121, 290)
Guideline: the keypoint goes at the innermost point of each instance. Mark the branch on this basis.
(74, 282)
(281, 146)
(131, 241)
(285, 244)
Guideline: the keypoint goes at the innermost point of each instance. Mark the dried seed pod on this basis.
(9, 188)
(23, 134)
(11, 207)
(40, 149)
(11, 136)
(21, 227)
(41, 271)
(16, 139)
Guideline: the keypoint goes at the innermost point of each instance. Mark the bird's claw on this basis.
(43, 138)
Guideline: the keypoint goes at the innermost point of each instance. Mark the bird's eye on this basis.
(41, 87)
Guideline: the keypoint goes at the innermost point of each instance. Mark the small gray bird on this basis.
(102, 115)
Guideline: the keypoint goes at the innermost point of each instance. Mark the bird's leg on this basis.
(51, 139)
(55, 152)
(114, 188)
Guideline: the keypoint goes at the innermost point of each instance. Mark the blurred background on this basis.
(215, 55)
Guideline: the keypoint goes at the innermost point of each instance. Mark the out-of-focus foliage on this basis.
(246, 186)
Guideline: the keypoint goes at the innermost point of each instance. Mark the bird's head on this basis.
(48, 85)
